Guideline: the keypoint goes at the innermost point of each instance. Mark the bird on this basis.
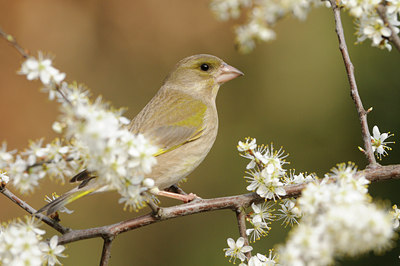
(181, 120)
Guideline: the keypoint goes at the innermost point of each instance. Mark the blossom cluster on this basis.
(370, 25)
(334, 217)
(56, 160)
(99, 136)
(21, 244)
(119, 157)
(262, 15)
(260, 219)
(265, 169)
(267, 177)
(339, 219)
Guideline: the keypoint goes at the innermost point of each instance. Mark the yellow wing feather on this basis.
(179, 120)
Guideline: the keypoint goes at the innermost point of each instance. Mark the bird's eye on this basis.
(204, 67)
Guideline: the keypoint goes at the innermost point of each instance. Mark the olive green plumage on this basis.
(181, 119)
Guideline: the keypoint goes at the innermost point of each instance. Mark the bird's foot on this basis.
(185, 198)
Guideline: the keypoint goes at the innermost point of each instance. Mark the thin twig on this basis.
(106, 253)
(205, 205)
(362, 113)
(32, 211)
(58, 89)
(46, 162)
(11, 40)
(241, 219)
(394, 38)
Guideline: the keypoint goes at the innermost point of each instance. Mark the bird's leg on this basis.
(185, 198)
(176, 189)
(153, 207)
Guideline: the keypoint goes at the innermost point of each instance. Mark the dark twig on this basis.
(205, 205)
(241, 219)
(32, 211)
(362, 113)
(106, 254)
(11, 40)
(394, 38)
(45, 162)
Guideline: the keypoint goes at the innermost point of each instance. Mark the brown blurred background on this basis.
(294, 94)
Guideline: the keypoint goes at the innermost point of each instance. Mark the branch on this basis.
(362, 113)
(32, 211)
(106, 254)
(241, 218)
(11, 40)
(394, 38)
(204, 205)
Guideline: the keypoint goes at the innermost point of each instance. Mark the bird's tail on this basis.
(66, 198)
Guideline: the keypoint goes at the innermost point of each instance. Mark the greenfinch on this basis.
(181, 119)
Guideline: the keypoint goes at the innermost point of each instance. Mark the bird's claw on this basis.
(190, 197)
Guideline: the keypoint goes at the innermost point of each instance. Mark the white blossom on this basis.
(248, 145)
(236, 249)
(263, 211)
(51, 251)
(225, 9)
(395, 216)
(393, 7)
(262, 260)
(4, 179)
(6, 157)
(373, 28)
(259, 229)
(266, 184)
(41, 68)
(293, 179)
(379, 143)
(289, 212)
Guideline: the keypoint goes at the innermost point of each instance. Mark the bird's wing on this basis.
(170, 120)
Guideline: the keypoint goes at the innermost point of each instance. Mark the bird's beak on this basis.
(228, 73)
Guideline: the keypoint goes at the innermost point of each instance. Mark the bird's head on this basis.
(201, 75)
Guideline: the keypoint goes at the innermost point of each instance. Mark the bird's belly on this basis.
(177, 164)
